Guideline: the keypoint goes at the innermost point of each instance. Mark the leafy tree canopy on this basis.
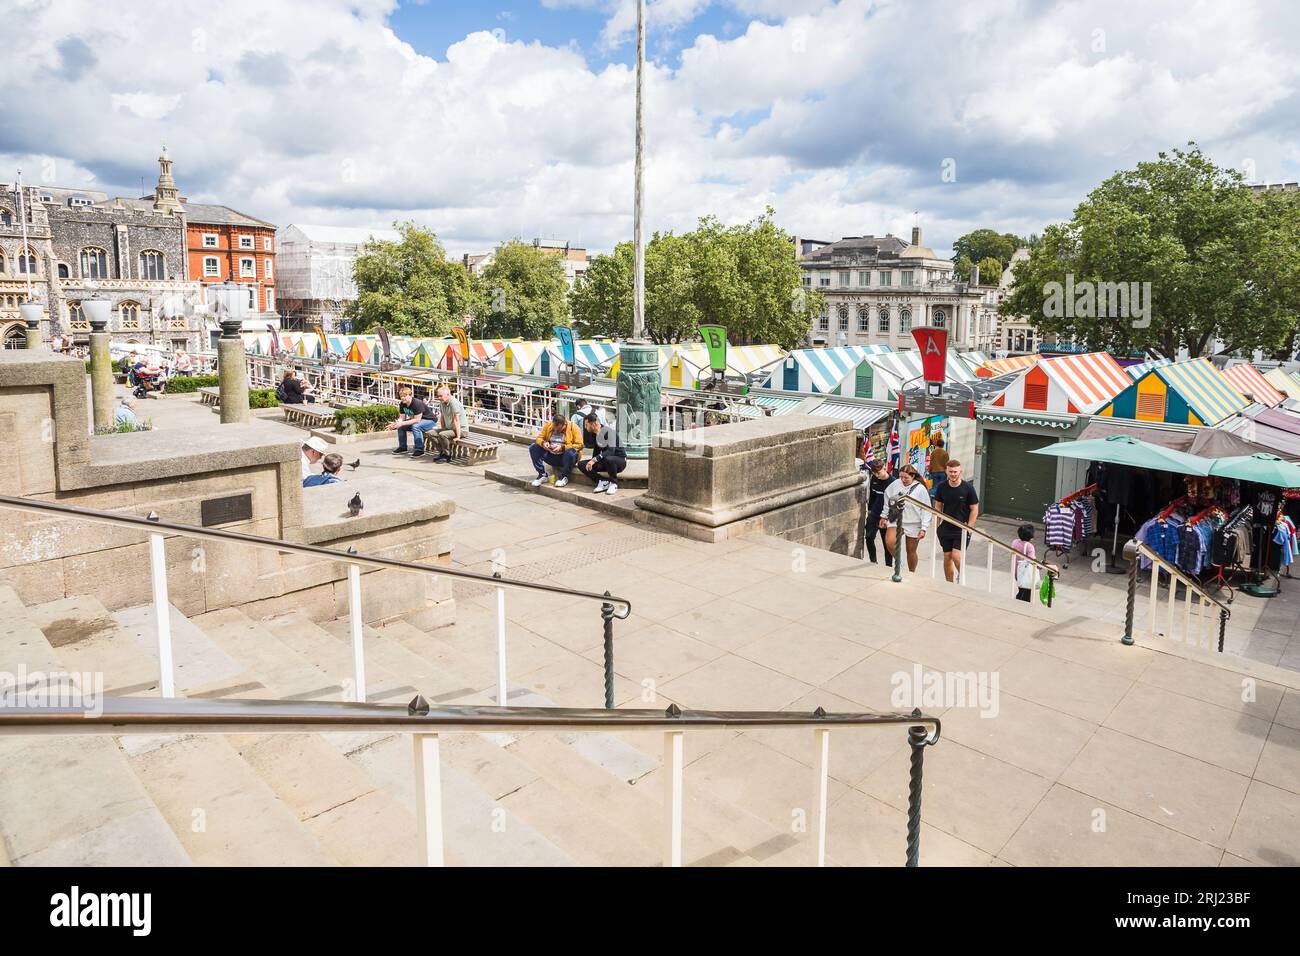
(526, 293)
(409, 286)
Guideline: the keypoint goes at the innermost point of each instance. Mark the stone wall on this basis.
(46, 452)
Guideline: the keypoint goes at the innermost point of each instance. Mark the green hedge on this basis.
(190, 383)
(262, 398)
(369, 418)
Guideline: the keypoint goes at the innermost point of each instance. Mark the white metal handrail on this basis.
(155, 526)
(123, 716)
(1139, 549)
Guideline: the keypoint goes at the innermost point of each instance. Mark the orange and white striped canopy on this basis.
(1067, 383)
(1017, 363)
(1249, 381)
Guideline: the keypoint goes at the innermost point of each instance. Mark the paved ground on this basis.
(1097, 754)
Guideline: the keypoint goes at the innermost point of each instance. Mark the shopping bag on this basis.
(1047, 590)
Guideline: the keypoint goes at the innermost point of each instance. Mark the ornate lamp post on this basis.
(97, 309)
(31, 312)
(232, 366)
(639, 382)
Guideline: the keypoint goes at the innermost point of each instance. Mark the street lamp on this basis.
(97, 310)
(231, 300)
(232, 371)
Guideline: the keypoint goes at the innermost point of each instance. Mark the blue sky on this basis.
(847, 117)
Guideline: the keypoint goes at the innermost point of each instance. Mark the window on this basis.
(939, 318)
(882, 323)
(268, 268)
(252, 299)
(179, 345)
(129, 313)
(886, 278)
(843, 314)
(6, 218)
(245, 242)
(844, 279)
(807, 282)
(824, 322)
(152, 265)
(15, 337)
(825, 280)
(247, 269)
(209, 240)
(76, 317)
(270, 300)
(864, 279)
(864, 319)
(907, 278)
(1151, 406)
(2, 261)
(94, 264)
(266, 243)
(26, 262)
(905, 320)
(212, 266)
(1036, 395)
(64, 271)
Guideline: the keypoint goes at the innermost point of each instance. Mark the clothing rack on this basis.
(1087, 490)
(1171, 508)
(1203, 514)
(1220, 580)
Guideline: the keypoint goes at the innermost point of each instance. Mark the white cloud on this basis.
(839, 115)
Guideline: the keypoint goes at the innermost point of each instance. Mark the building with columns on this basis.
(878, 288)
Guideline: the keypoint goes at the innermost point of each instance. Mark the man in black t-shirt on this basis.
(958, 500)
(415, 417)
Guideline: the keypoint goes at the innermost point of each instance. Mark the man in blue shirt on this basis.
(330, 466)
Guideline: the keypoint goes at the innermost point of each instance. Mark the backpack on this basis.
(280, 395)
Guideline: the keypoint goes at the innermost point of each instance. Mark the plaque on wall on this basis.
(214, 511)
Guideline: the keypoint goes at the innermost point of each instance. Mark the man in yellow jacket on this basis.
(558, 445)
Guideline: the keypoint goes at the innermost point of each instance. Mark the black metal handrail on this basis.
(154, 525)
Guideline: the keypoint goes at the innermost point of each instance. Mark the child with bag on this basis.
(1026, 574)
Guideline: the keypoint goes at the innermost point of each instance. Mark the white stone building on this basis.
(315, 266)
(877, 289)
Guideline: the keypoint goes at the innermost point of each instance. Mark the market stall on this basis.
(1190, 393)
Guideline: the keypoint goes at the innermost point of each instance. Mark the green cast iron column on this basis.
(639, 387)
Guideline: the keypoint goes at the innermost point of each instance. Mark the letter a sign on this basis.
(933, 345)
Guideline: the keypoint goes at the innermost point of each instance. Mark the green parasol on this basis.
(1261, 468)
(1124, 450)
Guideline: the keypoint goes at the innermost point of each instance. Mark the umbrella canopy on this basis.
(1123, 450)
(1261, 468)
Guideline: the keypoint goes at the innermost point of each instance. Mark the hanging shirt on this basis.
(1058, 527)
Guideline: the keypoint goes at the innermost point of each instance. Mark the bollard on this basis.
(1223, 626)
(916, 738)
(232, 373)
(1132, 602)
(607, 617)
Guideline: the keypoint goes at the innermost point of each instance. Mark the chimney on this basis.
(916, 235)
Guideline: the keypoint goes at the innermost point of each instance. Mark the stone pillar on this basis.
(31, 313)
(639, 385)
(232, 373)
(101, 375)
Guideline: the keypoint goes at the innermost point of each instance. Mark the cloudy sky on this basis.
(487, 119)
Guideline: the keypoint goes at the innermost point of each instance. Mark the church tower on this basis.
(166, 197)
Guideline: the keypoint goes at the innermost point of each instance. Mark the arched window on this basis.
(864, 319)
(940, 319)
(129, 312)
(64, 271)
(152, 265)
(77, 317)
(2, 261)
(905, 320)
(94, 263)
(26, 262)
(15, 337)
(844, 318)
(6, 217)
(882, 323)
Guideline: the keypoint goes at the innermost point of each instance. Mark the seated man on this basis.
(415, 418)
(452, 421)
(313, 450)
(557, 445)
(330, 465)
(607, 459)
(125, 414)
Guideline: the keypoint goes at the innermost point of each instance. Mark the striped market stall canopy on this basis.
(1284, 382)
(523, 358)
(339, 344)
(779, 406)
(896, 368)
(486, 352)
(1182, 393)
(821, 371)
(974, 360)
(1067, 383)
(591, 354)
(423, 357)
(863, 416)
(1016, 363)
(1252, 384)
(1135, 372)
(358, 351)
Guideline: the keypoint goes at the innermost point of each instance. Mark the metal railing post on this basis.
(358, 652)
(607, 619)
(161, 612)
(1223, 626)
(428, 797)
(1132, 601)
(1154, 599)
(1173, 599)
(900, 549)
(673, 797)
(821, 771)
(501, 643)
(916, 738)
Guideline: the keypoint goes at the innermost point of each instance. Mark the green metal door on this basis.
(1016, 483)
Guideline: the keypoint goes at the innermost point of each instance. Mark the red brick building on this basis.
(225, 245)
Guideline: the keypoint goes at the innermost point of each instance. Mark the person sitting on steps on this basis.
(556, 445)
(607, 457)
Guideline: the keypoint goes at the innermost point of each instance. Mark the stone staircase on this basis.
(326, 799)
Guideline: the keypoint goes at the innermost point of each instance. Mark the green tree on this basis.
(990, 271)
(1189, 232)
(983, 244)
(409, 286)
(963, 269)
(601, 304)
(527, 295)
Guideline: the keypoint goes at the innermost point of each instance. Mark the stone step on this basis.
(267, 661)
(198, 662)
(85, 637)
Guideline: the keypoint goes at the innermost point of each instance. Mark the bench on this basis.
(309, 416)
(476, 447)
(210, 396)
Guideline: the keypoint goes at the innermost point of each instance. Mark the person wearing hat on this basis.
(313, 450)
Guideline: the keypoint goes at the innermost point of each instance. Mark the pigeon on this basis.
(354, 505)
(354, 465)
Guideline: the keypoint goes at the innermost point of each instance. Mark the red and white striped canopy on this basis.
(1248, 380)
(1067, 383)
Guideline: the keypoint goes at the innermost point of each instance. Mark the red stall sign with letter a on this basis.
(933, 344)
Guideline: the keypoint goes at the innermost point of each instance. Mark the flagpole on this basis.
(638, 229)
